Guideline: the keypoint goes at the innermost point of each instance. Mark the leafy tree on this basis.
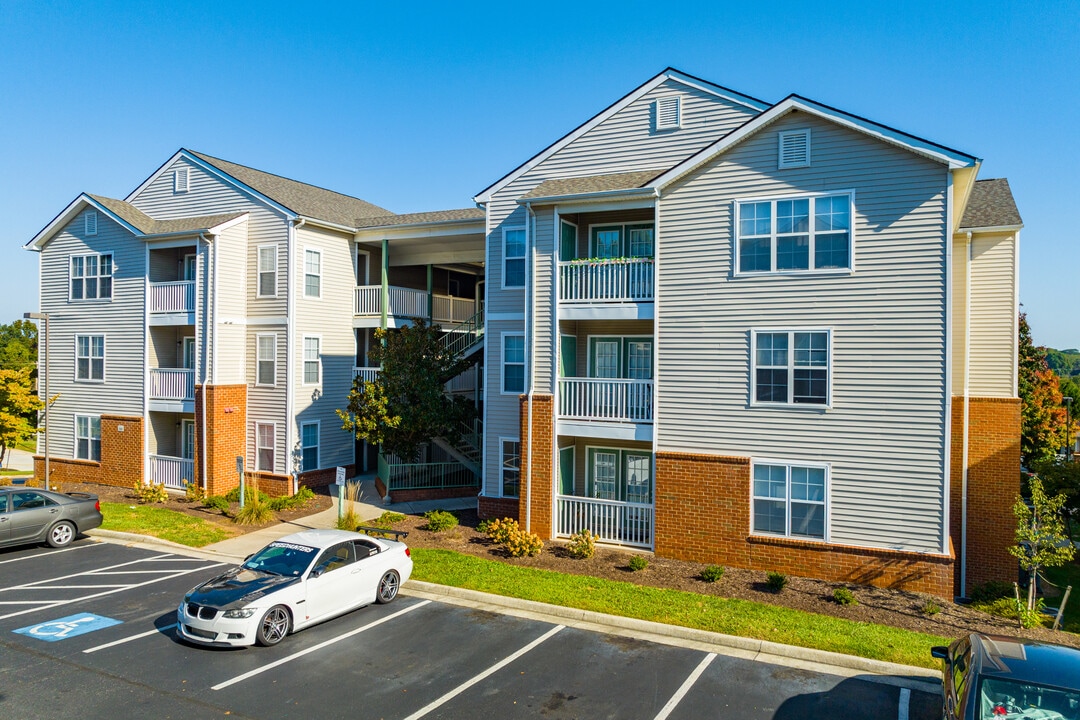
(407, 406)
(1042, 414)
(1041, 540)
(18, 345)
(1061, 478)
(17, 403)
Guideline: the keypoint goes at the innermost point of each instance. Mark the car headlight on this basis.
(240, 613)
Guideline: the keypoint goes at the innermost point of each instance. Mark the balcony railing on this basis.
(410, 302)
(446, 308)
(172, 297)
(606, 399)
(172, 471)
(615, 522)
(367, 374)
(172, 384)
(425, 476)
(465, 382)
(606, 281)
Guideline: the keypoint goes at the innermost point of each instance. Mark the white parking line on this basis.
(905, 704)
(95, 573)
(27, 602)
(76, 587)
(685, 687)
(320, 646)
(81, 574)
(155, 631)
(52, 552)
(494, 668)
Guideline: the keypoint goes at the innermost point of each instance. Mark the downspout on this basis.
(967, 417)
(290, 324)
(529, 329)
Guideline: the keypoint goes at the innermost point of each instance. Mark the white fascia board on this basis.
(326, 224)
(421, 230)
(598, 196)
(706, 86)
(222, 227)
(68, 213)
(988, 229)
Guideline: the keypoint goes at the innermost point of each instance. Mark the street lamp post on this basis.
(1068, 428)
(45, 364)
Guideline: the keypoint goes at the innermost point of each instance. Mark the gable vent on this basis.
(180, 180)
(795, 149)
(668, 113)
(90, 222)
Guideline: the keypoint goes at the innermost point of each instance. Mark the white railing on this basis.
(465, 382)
(169, 297)
(404, 302)
(172, 471)
(446, 308)
(172, 384)
(614, 522)
(606, 399)
(367, 374)
(617, 280)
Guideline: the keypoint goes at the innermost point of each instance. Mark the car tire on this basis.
(388, 587)
(61, 534)
(273, 626)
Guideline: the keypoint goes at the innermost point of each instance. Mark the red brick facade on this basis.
(993, 484)
(122, 454)
(489, 508)
(324, 477)
(542, 444)
(225, 435)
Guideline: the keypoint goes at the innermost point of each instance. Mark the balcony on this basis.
(172, 303)
(615, 288)
(367, 374)
(606, 399)
(172, 471)
(622, 523)
(410, 302)
(172, 390)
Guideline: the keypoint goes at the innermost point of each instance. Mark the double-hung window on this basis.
(267, 271)
(312, 373)
(514, 258)
(789, 499)
(309, 446)
(88, 437)
(91, 277)
(513, 363)
(312, 273)
(511, 468)
(791, 367)
(266, 371)
(802, 234)
(264, 446)
(89, 357)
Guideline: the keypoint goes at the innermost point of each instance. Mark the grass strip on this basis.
(676, 607)
(161, 523)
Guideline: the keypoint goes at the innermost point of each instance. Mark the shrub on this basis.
(482, 526)
(254, 512)
(439, 520)
(389, 518)
(216, 502)
(638, 563)
(500, 530)
(234, 494)
(776, 581)
(193, 492)
(582, 544)
(523, 544)
(930, 607)
(1007, 607)
(5, 481)
(712, 573)
(991, 590)
(291, 502)
(34, 482)
(151, 493)
(844, 596)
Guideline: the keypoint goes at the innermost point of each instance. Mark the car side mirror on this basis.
(940, 652)
(316, 572)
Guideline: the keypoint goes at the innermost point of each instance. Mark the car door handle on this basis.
(54, 510)
(3, 519)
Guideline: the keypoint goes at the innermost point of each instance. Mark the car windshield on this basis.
(282, 558)
(1010, 699)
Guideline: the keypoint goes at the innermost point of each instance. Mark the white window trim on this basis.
(791, 366)
(181, 179)
(75, 434)
(738, 272)
(304, 360)
(502, 363)
(317, 446)
(619, 469)
(258, 336)
(827, 467)
(87, 217)
(273, 448)
(520, 469)
(259, 271)
(304, 274)
(104, 355)
(524, 257)
(780, 164)
(624, 236)
(678, 112)
(111, 275)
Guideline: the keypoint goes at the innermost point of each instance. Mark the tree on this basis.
(18, 345)
(1042, 415)
(17, 404)
(407, 406)
(1041, 540)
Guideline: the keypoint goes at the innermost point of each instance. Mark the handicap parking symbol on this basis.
(67, 627)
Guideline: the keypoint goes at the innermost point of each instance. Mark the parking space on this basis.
(113, 609)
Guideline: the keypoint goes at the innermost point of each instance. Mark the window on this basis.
(311, 361)
(180, 180)
(513, 363)
(267, 271)
(309, 446)
(795, 234)
(668, 113)
(91, 276)
(789, 500)
(264, 446)
(89, 357)
(511, 468)
(88, 437)
(794, 149)
(623, 475)
(266, 372)
(312, 273)
(514, 257)
(616, 241)
(791, 367)
(187, 440)
(90, 222)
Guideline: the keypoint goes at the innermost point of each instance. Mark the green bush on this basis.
(501, 530)
(776, 581)
(439, 520)
(151, 493)
(194, 493)
(712, 573)
(992, 590)
(302, 497)
(930, 607)
(844, 596)
(234, 495)
(216, 502)
(388, 519)
(582, 544)
(637, 563)
(523, 544)
(482, 526)
(1007, 607)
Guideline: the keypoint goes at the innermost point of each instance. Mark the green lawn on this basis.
(674, 607)
(162, 523)
(9, 472)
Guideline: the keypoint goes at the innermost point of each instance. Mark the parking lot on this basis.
(87, 632)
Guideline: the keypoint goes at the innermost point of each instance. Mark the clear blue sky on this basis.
(418, 107)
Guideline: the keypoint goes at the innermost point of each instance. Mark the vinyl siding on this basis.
(582, 446)
(267, 404)
(542, 340)
(503, 411)
(884, 433)
(121, 320)
(993, 316)
(959, 313)
(232, 300)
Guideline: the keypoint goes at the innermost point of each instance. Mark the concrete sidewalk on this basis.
(19, 460)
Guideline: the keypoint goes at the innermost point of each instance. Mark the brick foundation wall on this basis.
(397, 496)
(272, 484)
(703, 515)
(225, 436)
(490, 508)
(66, 470)
(993, 484)
(122, 454)
(543, 449)
(324, 477)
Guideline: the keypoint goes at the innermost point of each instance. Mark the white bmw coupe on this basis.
(294, 582)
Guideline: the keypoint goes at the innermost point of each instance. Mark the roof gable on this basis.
(991, 205)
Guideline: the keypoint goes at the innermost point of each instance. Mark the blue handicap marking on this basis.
(68, 627)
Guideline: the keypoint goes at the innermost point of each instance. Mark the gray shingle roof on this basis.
(301, 198)
(436, 216)
(147, 225)
(991, 205)
(592, 183)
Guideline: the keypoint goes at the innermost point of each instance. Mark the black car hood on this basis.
(238, 587)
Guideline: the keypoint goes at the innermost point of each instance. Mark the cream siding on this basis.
(993, 316)
(884, 433)
(959, 313)
(231, 287)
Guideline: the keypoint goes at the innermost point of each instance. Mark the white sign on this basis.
(340, 479)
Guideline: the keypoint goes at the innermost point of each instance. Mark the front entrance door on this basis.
(189, 353)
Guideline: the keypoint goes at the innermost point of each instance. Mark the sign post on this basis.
(339, 480)
(240, 472)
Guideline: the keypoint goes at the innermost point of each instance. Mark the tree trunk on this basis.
(1031, 588)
